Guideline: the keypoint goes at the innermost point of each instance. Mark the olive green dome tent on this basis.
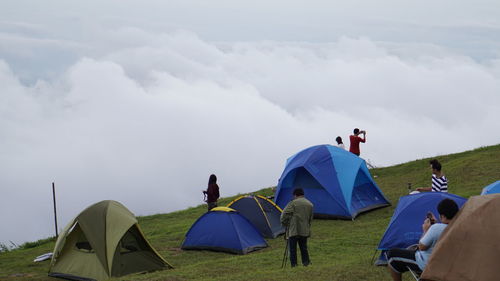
(103, 241)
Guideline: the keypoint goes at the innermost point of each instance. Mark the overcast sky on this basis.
(140, 101)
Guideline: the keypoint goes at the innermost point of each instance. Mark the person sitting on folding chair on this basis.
(402, 260)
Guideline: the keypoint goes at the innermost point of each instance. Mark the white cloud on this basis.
(148, 123)
(109, 107)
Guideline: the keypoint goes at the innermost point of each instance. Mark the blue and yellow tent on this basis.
(225, 230)
(261, 212)
(336, 181)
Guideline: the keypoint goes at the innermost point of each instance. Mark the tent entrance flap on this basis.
(365, 198)
(134, 254)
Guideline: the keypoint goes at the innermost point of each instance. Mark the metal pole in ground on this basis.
(55, 210)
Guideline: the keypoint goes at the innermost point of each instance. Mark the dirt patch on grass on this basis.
(176, 250)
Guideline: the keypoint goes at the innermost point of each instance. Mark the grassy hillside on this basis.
(339, 250)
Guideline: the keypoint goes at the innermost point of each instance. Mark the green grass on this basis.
(339, 250)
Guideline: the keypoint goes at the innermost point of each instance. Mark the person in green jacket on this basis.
(297, 217)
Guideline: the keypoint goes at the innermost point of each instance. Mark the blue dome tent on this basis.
(225, 230)
(492, 188)
(261, 212)
(405, 227)
(336, 181)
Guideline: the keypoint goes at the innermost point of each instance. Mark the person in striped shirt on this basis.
(439, 180)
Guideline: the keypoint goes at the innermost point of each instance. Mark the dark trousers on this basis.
(211, 205)
(302, 241)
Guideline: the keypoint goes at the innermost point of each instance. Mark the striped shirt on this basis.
(439, 184)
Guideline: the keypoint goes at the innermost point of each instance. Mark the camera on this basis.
(430, 217)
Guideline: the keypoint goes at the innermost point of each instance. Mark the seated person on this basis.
(400, 259)
(439, 180)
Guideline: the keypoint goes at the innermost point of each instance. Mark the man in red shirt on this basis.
(355, 140)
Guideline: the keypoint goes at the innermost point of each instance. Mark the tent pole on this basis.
(55, 211)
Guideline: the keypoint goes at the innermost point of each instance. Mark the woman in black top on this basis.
(212, 192)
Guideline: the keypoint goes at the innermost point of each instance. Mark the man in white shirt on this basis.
(340, 143)
(399, 260)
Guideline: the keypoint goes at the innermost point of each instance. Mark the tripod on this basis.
(285, 254)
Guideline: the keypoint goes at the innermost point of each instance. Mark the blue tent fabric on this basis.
(336, 181)
(261, 212)
(405, 227)
(223, 231)
(492, 188)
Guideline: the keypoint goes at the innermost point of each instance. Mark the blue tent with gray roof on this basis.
(261, 212)
(336, 181)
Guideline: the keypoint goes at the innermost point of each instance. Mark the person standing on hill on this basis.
(340, 143)
(297, 217)
(439, 180)
(355, 140)
(212, 192)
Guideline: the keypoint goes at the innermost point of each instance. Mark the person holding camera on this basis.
(355, 140)
(212, 192)
(399, 260)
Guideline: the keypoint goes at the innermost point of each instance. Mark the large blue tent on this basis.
(223, 229)
(492, 188)
(336, 181)
(405, 227)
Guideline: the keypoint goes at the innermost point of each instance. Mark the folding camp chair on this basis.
(414, 273)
